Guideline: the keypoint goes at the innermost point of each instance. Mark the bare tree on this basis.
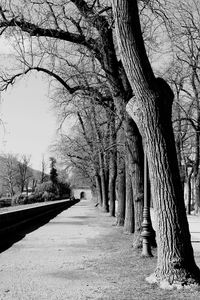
(24, 173)
(44, 176)
(151, 109)
(9, 173)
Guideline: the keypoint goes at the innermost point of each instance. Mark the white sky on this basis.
(30, 124)
(25, 109)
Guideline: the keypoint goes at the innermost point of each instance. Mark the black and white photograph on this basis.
(99, 149)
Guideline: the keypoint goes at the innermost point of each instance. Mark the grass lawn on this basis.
(123, 270)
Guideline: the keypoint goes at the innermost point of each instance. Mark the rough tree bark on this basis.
(105, 207)
(98, 189)
(112, 166)
(129, 207)
(197, 193)
(151, 110)
(121, 193)
(135, 168)
(189, 192)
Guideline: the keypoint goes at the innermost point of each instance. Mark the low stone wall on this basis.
(16, 220)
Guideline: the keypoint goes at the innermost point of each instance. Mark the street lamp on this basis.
(146, 224)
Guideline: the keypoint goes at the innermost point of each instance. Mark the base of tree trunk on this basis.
(104, 209)
(176, 279)
(197, 210)
(128, 227)
(120, 222)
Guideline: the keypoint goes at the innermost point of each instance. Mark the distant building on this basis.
(82, 193)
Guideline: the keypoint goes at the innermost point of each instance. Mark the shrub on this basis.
(45, 191)
(48, 196)
(19, 199)
(34, 198)
(50, 191)
(47, 186)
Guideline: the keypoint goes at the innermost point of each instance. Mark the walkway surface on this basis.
(78, 255)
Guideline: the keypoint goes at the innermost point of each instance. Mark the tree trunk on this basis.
(112, 180)
(121, 194)
(112, 166)
(136, 169)
(196, 169)
(98, 189)
(103, 184)
(189, 193)
(197, 193)
(151, 110)
(129, 207)
(104, 193)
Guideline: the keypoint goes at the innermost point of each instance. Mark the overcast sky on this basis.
(30, 124)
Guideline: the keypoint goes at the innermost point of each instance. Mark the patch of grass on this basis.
(121, 271)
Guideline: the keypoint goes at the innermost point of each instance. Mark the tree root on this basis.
(176, 279)
(120, 221)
